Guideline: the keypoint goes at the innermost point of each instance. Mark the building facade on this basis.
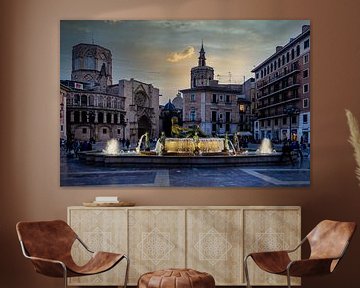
(216, 108)
(97, 109)
(64, 93)
(142, 109)
(283, 91)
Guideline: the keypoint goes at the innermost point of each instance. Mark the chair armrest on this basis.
(309, 267)
(48, 267)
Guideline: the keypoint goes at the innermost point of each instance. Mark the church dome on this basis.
(169, 106)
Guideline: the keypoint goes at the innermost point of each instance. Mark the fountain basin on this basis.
(150, 160)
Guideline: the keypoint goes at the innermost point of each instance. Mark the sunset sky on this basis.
(163, 52)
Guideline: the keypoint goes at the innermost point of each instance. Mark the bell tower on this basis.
(91, 64)
(201, 75)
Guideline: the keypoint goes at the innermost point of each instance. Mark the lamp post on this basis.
(291, 111)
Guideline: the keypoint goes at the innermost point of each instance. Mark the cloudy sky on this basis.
(163, 52)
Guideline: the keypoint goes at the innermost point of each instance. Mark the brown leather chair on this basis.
(328, 242)
(48, 245)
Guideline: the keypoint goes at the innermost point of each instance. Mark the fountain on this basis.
(112, 147)
(265, 147)
(176, 152)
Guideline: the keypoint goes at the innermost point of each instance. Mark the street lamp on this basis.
(291, 111)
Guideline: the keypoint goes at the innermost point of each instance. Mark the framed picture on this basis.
(215, 103)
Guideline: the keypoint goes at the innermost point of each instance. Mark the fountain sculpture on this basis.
(192, 151)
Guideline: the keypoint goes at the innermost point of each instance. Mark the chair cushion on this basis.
(176, 278)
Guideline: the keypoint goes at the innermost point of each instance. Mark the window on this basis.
(276, 122)
(213, 116)
(221, 97)
(287, 57)
(306, 43)
(297, 50)
(104, 130)
(293, 119)
(306, 58)
(192, 97)
(292, 54)
(284, 120)
(227, 99)
(89, 62)
(283, 60)
(227, 116)
(271, 67)
(62, 128)
(84, 130)
(268, 123)
(213, 127)
(118, 131)
(83, 100)
(220, 115)
(192, 115)
(257, 75)
(306, 73)
(279, 62)
(305, 118)
(305, 103)
(76, 99)
(306, 88)
(214, 98)
(275, 65)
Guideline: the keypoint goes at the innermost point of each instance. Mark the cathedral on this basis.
(96, 109)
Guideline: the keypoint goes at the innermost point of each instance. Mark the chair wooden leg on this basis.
(246, 270)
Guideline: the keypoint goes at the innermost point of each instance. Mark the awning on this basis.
(244, 133)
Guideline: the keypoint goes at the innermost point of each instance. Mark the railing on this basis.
(279, 76)
(281, 89)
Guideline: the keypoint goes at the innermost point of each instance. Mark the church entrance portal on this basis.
(144, 125)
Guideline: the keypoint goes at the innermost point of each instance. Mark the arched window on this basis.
(101, 117)
(89, 62)
(76, 116)
(297, 50)
(83, 117)
(283, 60)
(122, 118)
(76, 99)
(292, 54)
(83, 100)
(108, 117)
(91, 100)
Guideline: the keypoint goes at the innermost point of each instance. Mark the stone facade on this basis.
(283, 91)
(90, 63)
(100, 110)
(142, 109)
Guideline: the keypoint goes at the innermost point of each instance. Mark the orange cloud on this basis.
(178, 56)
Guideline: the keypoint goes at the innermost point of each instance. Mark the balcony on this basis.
(263, 84)
(276, 103)
(294, 84)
